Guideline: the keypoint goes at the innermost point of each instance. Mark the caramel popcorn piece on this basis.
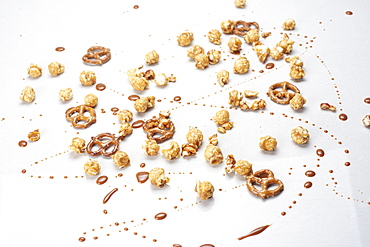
(244, 106)
(157, 177)
(261, 50)
(268, 143)
(28, 94)
(92, 167)
(78, 145)
(240, 3)
(125, 129)
(250, 94)
(188, 149)
(201, 61)
(124, 116)
(241, 65)
(144, 103)
(151, 57)
(214, 36)
(225, 126)
(366, 120)
(214, 56)
(227, 26)
(121, 159)
(56, 68)
(297, 101)
(258, 105)
(134, 72)
(194, 136)
(277, 53)
(213, 139)
(194, 51)
(204, 189)
(151, 147)
(289, 24)
(230, 163)
(235, 44)
(149, 74)
(213, 154)
(265, 34)
(91, 100)
(296, 64)
(173, 152)
(185, 38)
(252, 36)
(161, 80)
(235, 97)
(286, 44)
(243, 168)
(327, 106)
(138, 83)
(223, 77)
(87, 78)
(34, 70)
(34, 135)
(221, 117)
(66, 94)
(300, 135)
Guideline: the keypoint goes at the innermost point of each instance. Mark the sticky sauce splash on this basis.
(254, 232)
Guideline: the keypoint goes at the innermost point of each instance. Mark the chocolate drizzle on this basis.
(109, 195)
(254, 232)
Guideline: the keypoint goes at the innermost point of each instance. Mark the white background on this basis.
(56, 212)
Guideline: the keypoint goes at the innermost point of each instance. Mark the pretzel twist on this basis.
(259, 177)
(97, 55)
(103, 145)
(80, 121)
(242, 27)
(283, 96)
(162, 126)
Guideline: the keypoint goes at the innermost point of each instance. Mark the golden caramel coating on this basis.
(221, 117)
(289, 24)
(214, 36)
(188, 149)
(243, 167)
(161, 80)
(366, 120)
(327, 106)
(240, 3)
(173, 152)
(241, 65)
(121, 159)
(258, 105)
(235, 97)
(214, 56)
(138, 83)
(151, 147)
(56, 68)
(91, 100)
(297, 101)
(34, 135)
(185, 38)
(157, 177)
(194, 51)
(268, 143)
(65, 94)
(92, 167)
(277, 53)
(78, 145)
(300, 135)
(152, 57)
(201, 61)
(223, 77)
(124, 116)
(261, 50)
(34, 70)
(250, 94)
(144, 103)
(227, 26)
(28, 94)
(252, 36)
(204, 189)
(286, 44)
(235, 44)
(88, 78)
(213, 154)
(125, 129)
(194, 136)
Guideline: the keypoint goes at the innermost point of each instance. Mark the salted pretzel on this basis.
(159, 129)
(259, 177)
(242, 27)
(80, 121)
(104, 141)
(97, 55)
(283, 96)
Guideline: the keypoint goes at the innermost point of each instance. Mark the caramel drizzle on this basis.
(109, 195)
(254, 232)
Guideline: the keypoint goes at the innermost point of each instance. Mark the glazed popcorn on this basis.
(149, 74)
(87, 78)
(173, 152)
(221, 117)
(258, 105)
(366, 120)
(326, 106)
(151, 57)
(277, 53)
(300, 135)
(297, 101)
(195, 137)
(213, 139)
(161, 80)
(213, 154)
(66, 94)
(250, 94)
(121, 159)
(151, 147)
(92, 167)
(286, 44)
(296, 72)
(268, 143)
(235, 44)
(185, 38)
(34, 135)
(261, 50)
(252, 36)
(243, 167)
(134, 72)
(91, 100)
(125, 129)
(78, 145)
(223, 77)
(230, 163)
(225, 126)
(28, 94)
(144, 103)
(235, 97)
(241, 65)
(227, 26)
(295, 60)
(289, 24)
(240, 3)
(201, 61)
(194, 51)
(244, 106)
(34, 70)
(138, 83)
(188, 149)
(204, 189)
(157, 177)
(214, 36)
(124, 116)
(213, 56)
(56, 68)
(265, 34)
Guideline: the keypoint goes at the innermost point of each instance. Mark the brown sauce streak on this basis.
(343, 117)
(60, 49)
(270, 66)
(349, 13)
(367, 100)
(308, 185)
(142, 177)
(109, 195)
(255, 232)
(100, 87)
(320, 152)
(101, 180)
(22, 143)
(177, 98)
(114, 109)
(136, 6)
(137, 124)
(82, 239)
(133, 97)
(310, 173)
(160, 216)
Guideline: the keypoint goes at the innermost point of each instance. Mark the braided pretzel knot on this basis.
(80, 121)
(103, 145)
(242, 27)
(259, 177)
(283, 96)
(162, 126)
(97, 55)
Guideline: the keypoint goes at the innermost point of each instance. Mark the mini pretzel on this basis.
(242, 27)
(103, 145)
(76, 120)
(283, 96)
(97, 55)
(162, 126)
(259, 177)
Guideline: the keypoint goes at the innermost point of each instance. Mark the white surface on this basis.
(56, 212)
